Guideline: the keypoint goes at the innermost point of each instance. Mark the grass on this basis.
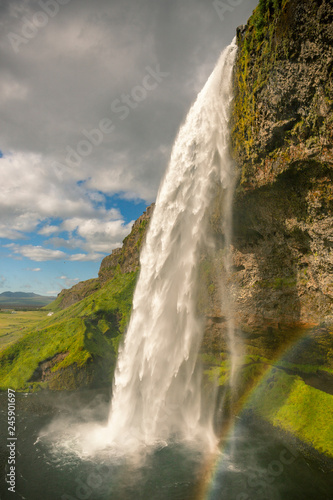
(282, 399)
(289, 404)
(87, 331)
(13, 326)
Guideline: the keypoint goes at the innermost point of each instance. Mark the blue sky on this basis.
(91, 99)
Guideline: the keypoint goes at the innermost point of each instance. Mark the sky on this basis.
(92, 95)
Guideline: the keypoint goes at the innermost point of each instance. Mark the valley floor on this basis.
(13, 324)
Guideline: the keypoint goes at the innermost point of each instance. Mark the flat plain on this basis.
(13, 324)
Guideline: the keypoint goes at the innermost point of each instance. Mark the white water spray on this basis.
(157, 388)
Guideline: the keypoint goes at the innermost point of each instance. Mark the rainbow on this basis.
(214, 464)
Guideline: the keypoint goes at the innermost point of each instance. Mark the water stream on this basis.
(157, 390)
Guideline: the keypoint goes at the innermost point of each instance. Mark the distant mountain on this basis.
(12, 299)
(19, 294)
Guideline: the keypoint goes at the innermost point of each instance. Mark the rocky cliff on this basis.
(282, 142)
(282, 145)
(282, 275)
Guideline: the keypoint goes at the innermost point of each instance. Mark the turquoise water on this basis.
(254, 465)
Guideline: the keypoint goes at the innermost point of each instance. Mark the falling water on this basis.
(157, 392)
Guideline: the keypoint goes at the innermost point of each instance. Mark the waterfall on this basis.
(157, 394)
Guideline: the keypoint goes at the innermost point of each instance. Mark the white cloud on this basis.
(33, 194)
(97, 235)
(8, 233)
(39, 254)
(34, 270)
(12, 90)
(48, 230)
(82, 257)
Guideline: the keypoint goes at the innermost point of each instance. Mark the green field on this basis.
(14, 325)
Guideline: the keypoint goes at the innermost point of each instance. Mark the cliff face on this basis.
(282, 144)
(127, 258)
(282, 274)
(283, 90)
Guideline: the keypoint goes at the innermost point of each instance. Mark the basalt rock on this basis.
(282, 275)
(281, 278)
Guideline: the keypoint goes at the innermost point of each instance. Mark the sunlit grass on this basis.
(288, 403)
(87, 330)
(15, 324)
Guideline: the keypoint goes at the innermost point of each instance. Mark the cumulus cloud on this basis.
(99, 235)
(38, 253)
(33, 194)
(47, 230)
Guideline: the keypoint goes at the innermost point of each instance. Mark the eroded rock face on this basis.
(78, 292)
(283, 238)
(283, 90)
(284, 201)
(282, 276)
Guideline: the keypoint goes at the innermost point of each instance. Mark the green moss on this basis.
(116, 343)
(142, 231)
(277, 284)
(256, 60)
(54, 306)
(288, 403)
(219, 374)
(273, 38)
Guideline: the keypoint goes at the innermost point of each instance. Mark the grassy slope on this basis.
(88, 330)
(289, 404)
(282, 399)
(13, 326)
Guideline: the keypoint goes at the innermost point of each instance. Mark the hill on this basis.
(21, 299)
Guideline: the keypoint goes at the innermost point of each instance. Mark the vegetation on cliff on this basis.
(283, 89)
(290, 404)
